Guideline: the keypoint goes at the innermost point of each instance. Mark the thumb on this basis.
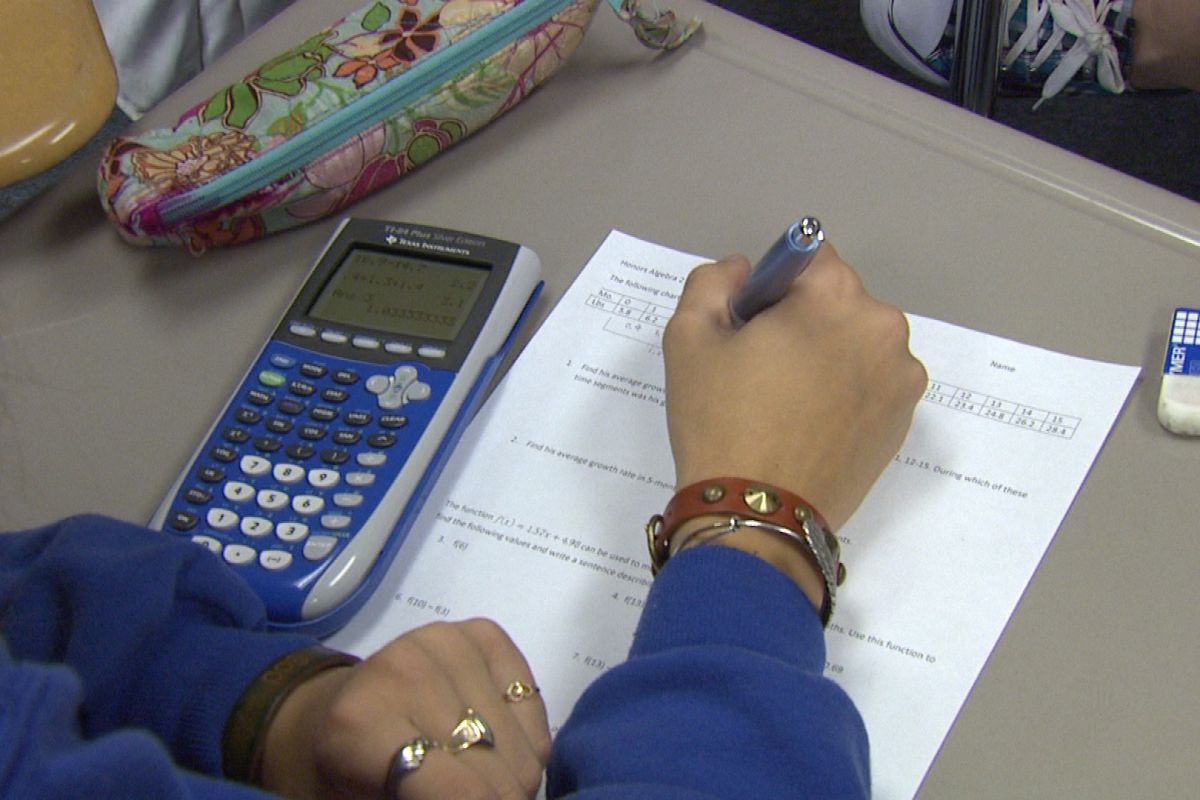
(708, 288)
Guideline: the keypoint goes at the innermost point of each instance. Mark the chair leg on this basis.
(976, 55)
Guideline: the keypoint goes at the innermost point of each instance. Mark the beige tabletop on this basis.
(113, 360)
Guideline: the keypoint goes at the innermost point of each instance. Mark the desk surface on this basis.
(113, 360)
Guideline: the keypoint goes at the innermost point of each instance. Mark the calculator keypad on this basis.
(301, 458)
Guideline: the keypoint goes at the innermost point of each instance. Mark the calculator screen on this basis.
(399, 294)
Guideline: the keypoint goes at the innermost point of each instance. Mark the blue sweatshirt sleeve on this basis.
(159, 633)
(722, 696)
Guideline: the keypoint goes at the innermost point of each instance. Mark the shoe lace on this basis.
(1083, 19)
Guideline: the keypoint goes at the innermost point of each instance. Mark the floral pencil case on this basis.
(348, 110)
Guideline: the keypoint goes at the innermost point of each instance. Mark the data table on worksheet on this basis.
(644, 320)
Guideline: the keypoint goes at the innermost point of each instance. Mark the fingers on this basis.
(440, 691)
(480, 662)
(814, 393)
(472, 664)
(708, 288)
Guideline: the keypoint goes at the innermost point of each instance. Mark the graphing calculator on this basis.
(312, 475)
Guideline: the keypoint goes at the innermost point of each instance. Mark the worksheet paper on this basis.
(538, 521)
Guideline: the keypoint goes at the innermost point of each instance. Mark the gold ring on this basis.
(407, 759)
(470, 731)
(518, 691)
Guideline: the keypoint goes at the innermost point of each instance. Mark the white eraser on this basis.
(1179, 396)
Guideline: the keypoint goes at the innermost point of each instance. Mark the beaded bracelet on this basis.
(747, 504)
(244, 739)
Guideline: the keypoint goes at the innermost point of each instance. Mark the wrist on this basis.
(289, 762)
(244, 743)
(775, 525)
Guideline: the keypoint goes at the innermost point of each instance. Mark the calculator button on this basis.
(318, 547)
(182, 520)
(274, 560)
(323, 413)
(431, 351)
(418, 391)
(259, 398)
(283, 361)
(310, 370)
(399, 348)
(391, 399)
(271, 499)
(335, 522)
(333, 394)
(302, 329)
(238, 554)
(404, 375)
(371, 459)
(365, 342)
(346, 437)
(256, 526)
(235, 435)
(238, 492)
(307, 504)
(211, 474)
(381, 439)
(288, 473)
(311, 432)
(300, 451)
(345, 376)
(197, 496)
(347, 499)
(378, 384)
(247, 416)
(360, 478)
(290, 405)
(393, 421)
(324, 478)
(357, 418)
(334, 337)
(221, 519)
(255, 466)
(334, 456)
(301, 388)
(271, 378)
(291, 531)
(279, 424)
(267, 444)
(223, 453)
(207, 541)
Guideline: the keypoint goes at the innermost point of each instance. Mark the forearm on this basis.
(728, 654)
(46, 756)
(162, 635)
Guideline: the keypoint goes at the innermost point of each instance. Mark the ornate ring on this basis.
(407, 759)
(518, 691)
(472, 730)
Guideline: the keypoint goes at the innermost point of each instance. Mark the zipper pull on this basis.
(659, 30)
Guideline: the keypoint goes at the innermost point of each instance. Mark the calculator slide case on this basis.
(312, 475)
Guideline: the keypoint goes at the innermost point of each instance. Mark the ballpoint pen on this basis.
(775, 271)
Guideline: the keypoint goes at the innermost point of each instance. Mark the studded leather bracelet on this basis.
(750, 505)
(245, 735)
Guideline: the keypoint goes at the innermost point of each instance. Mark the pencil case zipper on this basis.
(387, 100)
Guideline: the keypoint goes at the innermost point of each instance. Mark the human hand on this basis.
(814, 394)
(336, 735)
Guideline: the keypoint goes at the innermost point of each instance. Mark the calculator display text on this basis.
(400, 294)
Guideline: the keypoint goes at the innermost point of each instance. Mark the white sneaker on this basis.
(1049, 46)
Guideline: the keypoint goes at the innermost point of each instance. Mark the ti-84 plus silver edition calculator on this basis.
(310, 478)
